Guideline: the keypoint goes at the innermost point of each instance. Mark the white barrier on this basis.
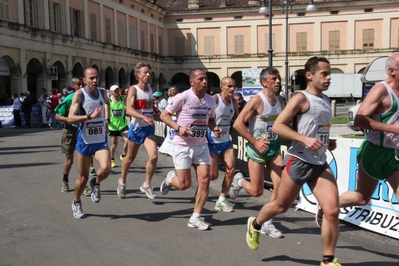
(381, 215)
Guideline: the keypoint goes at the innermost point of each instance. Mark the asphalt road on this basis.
(37, 226)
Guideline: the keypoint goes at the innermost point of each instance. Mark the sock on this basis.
(221, 198)
(123, 155)
(195, 215)
(255, 225)
(65, 178)
(169, 180)
(268, 222)
(327, 259)
(76, 201)
(112, 158)
(145, 185)
(239, 182)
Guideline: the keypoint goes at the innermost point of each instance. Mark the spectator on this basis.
(240, 101)
(54, 101)
(42, 98)
(16, 110)
(159, 101)
(27, 108)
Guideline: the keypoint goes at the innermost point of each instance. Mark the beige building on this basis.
(44, 43)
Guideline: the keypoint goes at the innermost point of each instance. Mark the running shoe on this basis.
(113, 164)
(77, 210)
(95, 191)
(121, 190)
(164, 188)
(223, 206)
(235, 189)
(199, 223)
(65, 187)
(93, 171)
(252, 235)
(148, 191)
(271, 231)
(319, 215)
(335, 262)
(87, 191)
(122, 157)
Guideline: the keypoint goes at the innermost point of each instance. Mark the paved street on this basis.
(37, 226)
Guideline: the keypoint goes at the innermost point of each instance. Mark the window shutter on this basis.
(132, 38)
(93, 27)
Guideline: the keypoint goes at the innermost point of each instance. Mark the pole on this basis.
(270, 50)
(287, 2)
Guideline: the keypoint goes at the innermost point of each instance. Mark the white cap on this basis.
(114, 87)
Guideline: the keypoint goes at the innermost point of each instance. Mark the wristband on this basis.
(178, 128)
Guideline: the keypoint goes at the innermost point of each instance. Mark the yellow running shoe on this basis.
(252, 235)
(335, 262)
(113, 164)
(122, 157)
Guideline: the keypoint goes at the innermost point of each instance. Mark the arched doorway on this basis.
(77, 70)
(154, 81)
(109, 78)
(237, 76)
(299, 82)
(213, 82)
(122, 78)
(35, 77)
(58, 76)
(336, 70)
(162, 82)
(181, 81)
(8, 76)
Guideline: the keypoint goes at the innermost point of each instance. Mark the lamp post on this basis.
(264, 10)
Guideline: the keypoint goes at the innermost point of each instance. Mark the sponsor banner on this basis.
(381, 215)
(7, 117)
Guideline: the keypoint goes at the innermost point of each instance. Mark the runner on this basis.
(195, 113)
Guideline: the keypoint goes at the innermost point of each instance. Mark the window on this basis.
(301, 41)
(209, 45)
(33, 13)
(132, 38)
(160, 45)
(333, 40)
(4, 10)
(152, 43)
(77, 23)
(239, 44)
(368, 38)
(180, 46)
(121, 34)
(273, 41)
(142, 40)
(55, 13)
(93, 27)
(107, 30)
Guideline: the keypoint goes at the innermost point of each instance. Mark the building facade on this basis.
(44, 43)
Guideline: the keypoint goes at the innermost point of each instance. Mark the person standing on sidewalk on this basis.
(16, 109)
(117, 125)
(263, 147)
(195, 113)
(306, 158)
(90, 109)
(140, 107)
(68, 139)
(222, 147)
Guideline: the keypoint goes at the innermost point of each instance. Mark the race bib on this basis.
(270, 134)
(117, 113)
(225, 129)
(149, 114)
(198, 129)
(323, 133)
(94, 128)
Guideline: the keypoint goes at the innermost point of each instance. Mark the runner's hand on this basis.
(262, 145)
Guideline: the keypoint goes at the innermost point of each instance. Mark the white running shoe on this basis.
(164, 188)
(121, 190)
(223, 206)
(271, 231)
(235, 189)
(77, 210)
(148, 191)
(95, 191)
(198, 223)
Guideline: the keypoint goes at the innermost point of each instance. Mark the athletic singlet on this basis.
(391, 116)
(144, 105)
(224, 114)
(93, 130)
(117, 120)
(260, 126)
(316, 123)
(193, 113)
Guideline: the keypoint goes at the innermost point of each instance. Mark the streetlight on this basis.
(311, 7)
(264, 10)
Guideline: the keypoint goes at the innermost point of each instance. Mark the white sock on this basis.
(195, 215)
(221, 198)
(239, 182)
(145, 185)
(169, 180)
(269, 222)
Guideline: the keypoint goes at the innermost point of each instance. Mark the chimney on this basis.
(193, 4)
